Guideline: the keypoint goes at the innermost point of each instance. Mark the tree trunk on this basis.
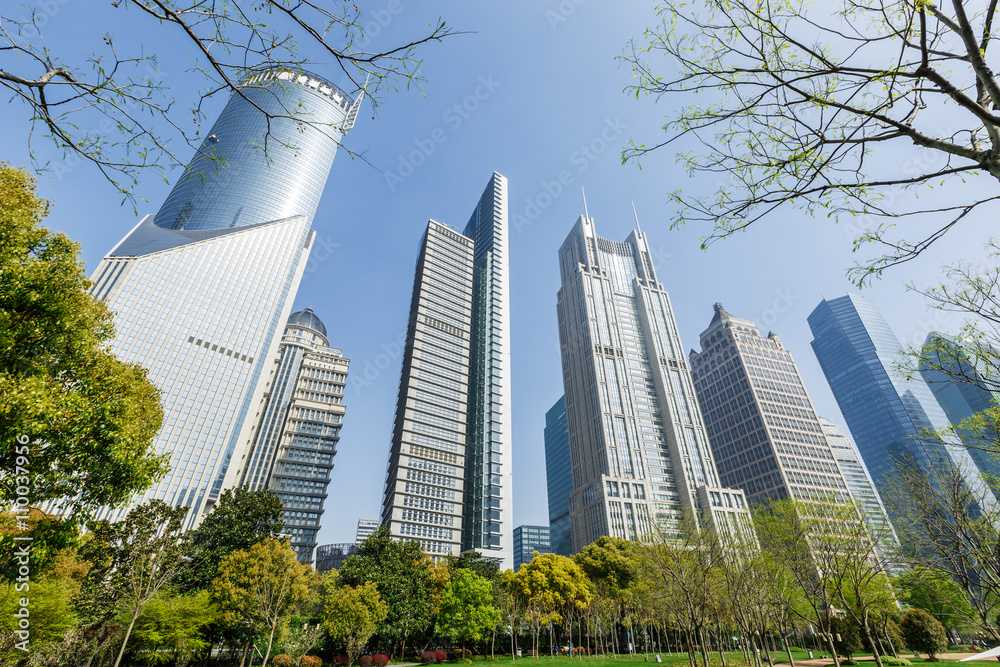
(128, 633)
(833, 650)
(246, 652)
(270, 641)
(704, 648)
(788, 650)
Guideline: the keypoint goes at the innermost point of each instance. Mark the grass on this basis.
(682, 659)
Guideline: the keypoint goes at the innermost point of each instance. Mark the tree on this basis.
(262, 586)
(467, 607)
(923, 633)
(239, 520)
(50, 537)
(131, 561)
(73, 418)
(118, 91)
(937, 594)
(949, 527)
(846, 636)
(610, 563)
(799, 105)
(402, 574)
(176, 627)
(510, 602)
(352, 614)
(554, 587)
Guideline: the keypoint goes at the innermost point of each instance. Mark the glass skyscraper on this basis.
(299, 428)
(765, 435)
(201, 289)
(859, 481)
(641, 462)
(527, 540)
(448, 483)
(885, 413)
(962, 391)
(558, 477)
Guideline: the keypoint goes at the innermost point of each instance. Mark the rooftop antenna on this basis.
(586, 214)
(636, 218)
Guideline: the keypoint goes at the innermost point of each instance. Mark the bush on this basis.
(380, 660)
(311, 661)
(282, 660)
(429, 657)
(365, 661)
(890, 661)
(923, 633)
(440, 655)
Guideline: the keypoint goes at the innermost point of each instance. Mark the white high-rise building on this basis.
(365, 528)
(448, 483)
(202, 290)
(638, 450)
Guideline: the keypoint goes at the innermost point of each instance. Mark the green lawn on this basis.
(682, 659)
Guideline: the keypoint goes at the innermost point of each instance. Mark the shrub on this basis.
(440, 656)
(311, 661)
(380, 660)
(340, 659)
(282, 660)
(923, 633)
(464, 661)
(890, 661)
(427, 658)
(460, 654)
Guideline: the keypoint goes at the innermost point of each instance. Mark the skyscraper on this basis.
(640, 458)
(299, 428)
(201, 289)
(448, 483)
(859, 481)
(559, 478)
(962, 390)
(885, 412)
(765, 435)
(527, 540)
(365, 528)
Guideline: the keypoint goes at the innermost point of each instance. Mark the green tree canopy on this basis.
(923, 633)
(262, 586)
(402, 574)
(937, 594)
(239, 520)
(351, 614)
(74, 420)
(466, 609)
(555, 583)
(609, 562)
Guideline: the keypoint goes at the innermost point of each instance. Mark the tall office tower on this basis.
(559, 478)
(527, 540)
(860, 483)
(201, 289)
(448, 483)
(365, 528)
(885, 413)
(640, 458)
(962, 390)
(764, 432)
(299, 427)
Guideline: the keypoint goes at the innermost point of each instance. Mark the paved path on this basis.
(829, 661)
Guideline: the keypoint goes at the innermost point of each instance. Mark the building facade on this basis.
(885, 413)
(299, 428)
(527, 540)
(641, 461)
(559, 478)
(766, 437)
(448, 483)
(202, 289)
(365, 528)
(859, 481)
(332, 556)
(962, 390)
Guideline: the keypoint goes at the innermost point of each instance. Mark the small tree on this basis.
(352, 614)
(262, 587)
(923, 633)
(467, 607)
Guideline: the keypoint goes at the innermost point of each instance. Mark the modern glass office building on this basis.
(962, 390)
(640, 459)
(296, 438)
(448, 483)
(885, 412)
(859, 481)
(765, 435)
(527, 540)
(202, 289)
(559, 478)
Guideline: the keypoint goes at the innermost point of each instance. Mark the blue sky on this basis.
(539, 93)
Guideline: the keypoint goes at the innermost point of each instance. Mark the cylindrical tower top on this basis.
(267, 157)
